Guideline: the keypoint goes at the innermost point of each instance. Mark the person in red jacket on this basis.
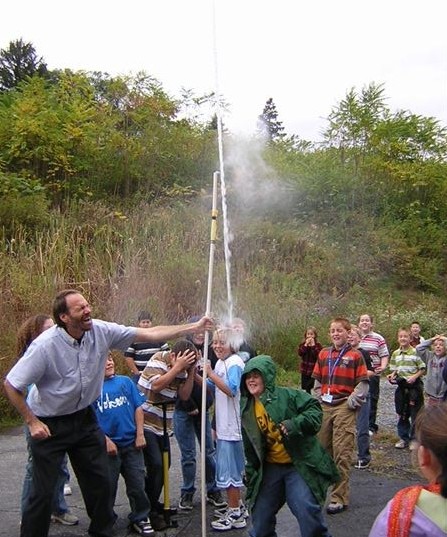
(308, 351)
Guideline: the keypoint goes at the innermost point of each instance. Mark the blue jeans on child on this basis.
(364, 453)
(186, 429)
(281, 483)
(408, 400)
(129, 462)
(374, 393)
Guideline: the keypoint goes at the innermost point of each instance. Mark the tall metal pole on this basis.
(213, 237)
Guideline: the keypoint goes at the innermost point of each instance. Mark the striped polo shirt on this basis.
(339, 371)
(157, 366)
(406, 362)
(143, 351)
(375, 344)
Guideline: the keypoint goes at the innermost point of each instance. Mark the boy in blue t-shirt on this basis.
(120, 417)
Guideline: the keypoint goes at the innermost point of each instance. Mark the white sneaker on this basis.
(143, 527)
(66, 519)
(231, 520)
(67, 490)
(401, 444)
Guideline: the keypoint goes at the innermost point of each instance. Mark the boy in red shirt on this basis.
(341, 386)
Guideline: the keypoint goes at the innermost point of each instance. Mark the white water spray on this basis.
(223, 188)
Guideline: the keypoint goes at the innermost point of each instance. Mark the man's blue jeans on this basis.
(281, 483)
(186, 430)
(129, 462)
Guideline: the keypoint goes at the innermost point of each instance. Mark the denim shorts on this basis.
(230, 463)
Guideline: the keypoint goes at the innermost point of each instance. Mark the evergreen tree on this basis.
(268, 123)
(213, 122)
(19, 62)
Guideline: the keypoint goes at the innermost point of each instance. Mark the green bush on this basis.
(23, 203)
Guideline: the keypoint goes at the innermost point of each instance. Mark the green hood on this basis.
(266, 366)
(301, 415)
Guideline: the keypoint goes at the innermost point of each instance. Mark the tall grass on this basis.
(284, 277)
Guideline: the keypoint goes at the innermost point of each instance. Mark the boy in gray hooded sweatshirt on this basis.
(435, 359)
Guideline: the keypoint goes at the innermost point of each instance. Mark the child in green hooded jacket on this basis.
(285, 461)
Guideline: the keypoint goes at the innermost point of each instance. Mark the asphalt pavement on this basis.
(369, 494)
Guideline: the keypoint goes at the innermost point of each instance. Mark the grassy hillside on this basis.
(286, 273)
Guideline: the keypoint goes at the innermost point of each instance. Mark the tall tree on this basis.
(19, 62)
(268, 123)
(92, 135)
(353, 121)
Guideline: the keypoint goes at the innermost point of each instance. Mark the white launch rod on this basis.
(205, 353)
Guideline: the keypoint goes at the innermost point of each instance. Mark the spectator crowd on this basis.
(265, 445)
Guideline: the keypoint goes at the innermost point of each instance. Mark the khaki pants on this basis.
(337, 436)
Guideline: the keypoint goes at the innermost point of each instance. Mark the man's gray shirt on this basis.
(67, 376)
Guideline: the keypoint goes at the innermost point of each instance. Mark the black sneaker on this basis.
(160, 508)
(158, 522)
(361, 464)
(186, 503)
(143, 527)
(215, 498)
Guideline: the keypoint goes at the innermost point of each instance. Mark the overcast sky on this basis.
(305, 55)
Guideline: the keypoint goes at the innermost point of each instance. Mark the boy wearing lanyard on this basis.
(341, 386)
